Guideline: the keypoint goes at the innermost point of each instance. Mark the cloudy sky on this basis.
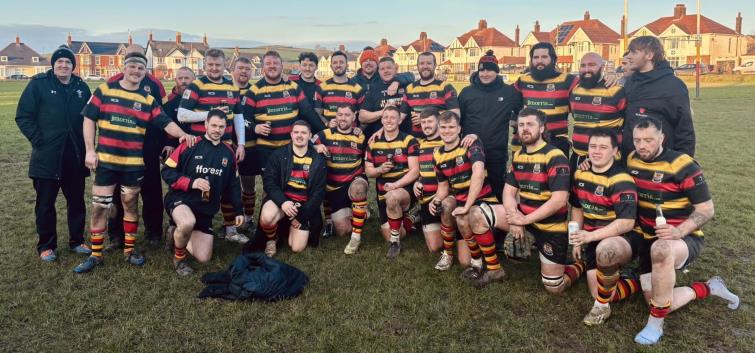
(296, 21)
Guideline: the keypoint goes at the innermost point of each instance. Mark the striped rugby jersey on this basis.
(537, 175)
(346, 160)
(455, 167)
(332, 93)
(203, 95)
(604, 197)
(122, 117)
(398, 152)
(551, 97)
(275, 104)
(427, 169)
(594, 108)
(296, 187)
(434, 94)
(673, 180)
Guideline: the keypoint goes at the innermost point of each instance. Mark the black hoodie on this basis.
(486, 111)
(660, 94)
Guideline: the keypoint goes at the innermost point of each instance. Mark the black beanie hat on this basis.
(488, 62)
(64, 52)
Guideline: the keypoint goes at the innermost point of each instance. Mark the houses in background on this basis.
(95, 60)
(164, 58)
(19, 61)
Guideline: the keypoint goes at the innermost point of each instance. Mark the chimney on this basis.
(150, 37)
(422, 35)
(738, 26)
(130, 39)
(680, 11)
(18, 40)
(587, 15)
(537, 26)
(383, 41)
(342, 47)
(482, 25)
(69, 39)
(178, 37)
(204, 39)
(516, 35)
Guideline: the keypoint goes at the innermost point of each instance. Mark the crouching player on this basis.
(604, 204)
(346, 186)
(294, 181)
(461, 173)
(197, 177)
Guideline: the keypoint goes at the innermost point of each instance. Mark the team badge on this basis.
(210, 93)
(147, 89)
(536, 168)
(305, 167)
(230, 94)
(657, 177)
(286, 94)
(137, 106)
(401, 91)
(187, 94)
(547, 249)
(597, 100)
(433, 95)
(225, 162)
(348, 95)
(353, 145)
(398, 152)
(459, 161)
(550, 87)
(599, 190)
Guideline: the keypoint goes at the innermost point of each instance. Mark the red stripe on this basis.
(643, 184)
(425, 102)
(689, 182)
(119, 109)
(112, 142)
(561, 93)
(339, 150)
(214, 100)
(299, 174)
(559, 124)
(528, 176)
(276, 101)
(181, 184)
(338, 99)
(584, 195)
(587, 107)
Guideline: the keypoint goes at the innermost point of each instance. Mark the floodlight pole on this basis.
(698, 43)
(626, 25)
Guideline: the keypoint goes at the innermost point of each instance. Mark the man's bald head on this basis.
(592, 58)
(590, 70)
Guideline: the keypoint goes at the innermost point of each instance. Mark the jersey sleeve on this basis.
(511, 178)
(368, 155)
(449, 95)
(92, 108)
(573, 199)
(238, 108)
(558, 173)
(171, 171)
(190, 97)
(319, 138)
(692, 182)
(624, 198)
(476, 153)
(412, 147)
(438, 172)
(158, 116)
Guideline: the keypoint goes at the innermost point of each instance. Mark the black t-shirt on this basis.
(377, 99)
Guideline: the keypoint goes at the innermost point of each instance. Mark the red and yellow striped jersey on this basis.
(537, 175)
(296, 187)
(673, 180)
(455, 167)
(275, 104)
(346, 160)
(397, 151)
(551, 97)
(332, 93)
(594, 108)
(434, 94)
(122, 117)
(604, 197)
(203, 95)
(427, 169)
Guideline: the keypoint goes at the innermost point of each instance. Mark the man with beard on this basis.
(294, 182)
(427, 92)
(654, 91)
(366, 75)
(545, 89)
(488, 107)
(339, 88)
(594, 106)
(385, 91)
(120, 111)
(343, 147)
(213, 91)
(674, 203)
(197, 177)
(534, 199)
(392, 160)
(184, 77)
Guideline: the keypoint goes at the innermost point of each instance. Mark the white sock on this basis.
(394, 238)
(356, 236)
(656, 322)
(599, 304)
(477, 263)
(718, 289)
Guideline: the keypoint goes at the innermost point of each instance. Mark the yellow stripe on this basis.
(661, 166)
(215, 86)
(278, 143)
(551, 227)
(424, 89)
(678, 204)
(171, 163)
(604, 124)
(104, 124)
(442, 156)
(537, 157)
(334, 165)
(287, 116)
(462, 185)
(274, 88)
(302, 160)
(596, 92)
(590, 177)
(527, 78)
(330, 136)
(561, 109)
(427, 174)
(609, 216)
(355, 88)
(123, 94)
(543, 196)
(111, 158)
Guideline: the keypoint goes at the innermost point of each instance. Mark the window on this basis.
(35, 59)
(177, 61)
(473, 52)
(3, 58)
(160, 60)
(97, 60)
(86, 60)
(112, 61)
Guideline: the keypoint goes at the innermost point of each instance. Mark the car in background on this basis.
(745, 68)
(689, 69)
(18, 77)
(94, 78)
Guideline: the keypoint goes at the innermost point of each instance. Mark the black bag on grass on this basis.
(255, 276)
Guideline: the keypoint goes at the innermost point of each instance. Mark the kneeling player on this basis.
(461, 173)
(604, 204)
(197, 177)
(673, 183)
(294, 181)
(346, 186)
(539, 179)
(392, 160)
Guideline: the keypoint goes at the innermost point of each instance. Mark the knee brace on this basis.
(102, 203)
(130, 190)
(488, 214)
(553, 284)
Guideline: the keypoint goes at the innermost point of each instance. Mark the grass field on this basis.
(364, 303)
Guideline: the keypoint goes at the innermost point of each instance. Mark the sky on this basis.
(296, 21)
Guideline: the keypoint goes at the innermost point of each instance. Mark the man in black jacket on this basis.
(487, 107)
(653, 91)
(294, 181)
(49, 115)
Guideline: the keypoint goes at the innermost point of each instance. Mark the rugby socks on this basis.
(486, 242)
(229, 215)
(474, 249)
(625, 287)
(395, 227)
(701, 289)
(248, 200)
(358, 214)
(573, 272)
(270, 230)
(179, 254)
(130, 228)
(607, 279)
(97, 239)
(449, 238)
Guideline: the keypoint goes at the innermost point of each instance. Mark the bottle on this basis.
(659, 219)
